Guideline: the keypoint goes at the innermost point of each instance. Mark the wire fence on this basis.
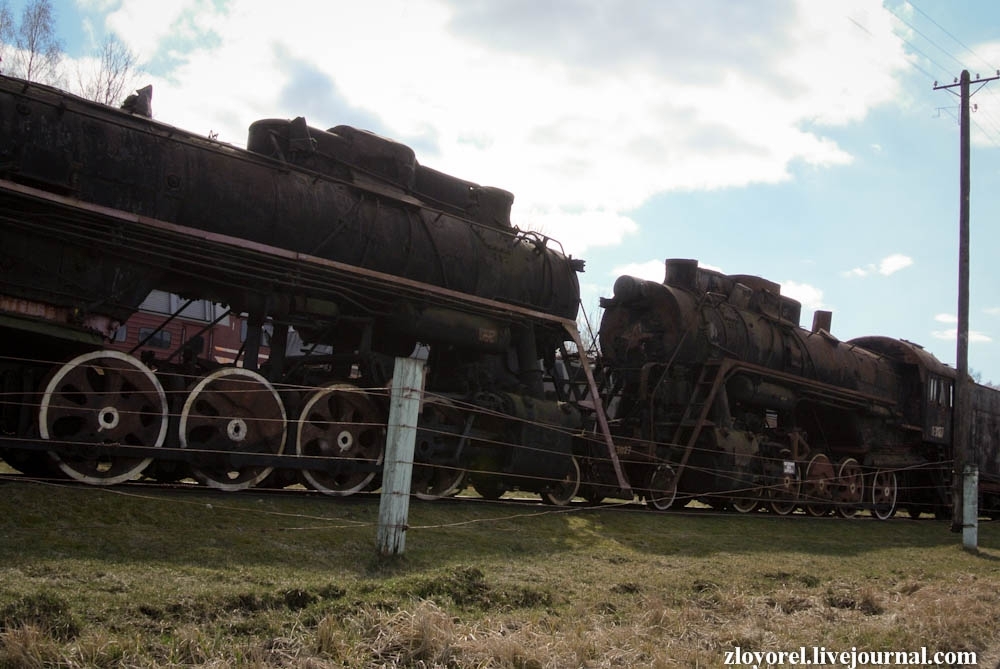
(331, 437)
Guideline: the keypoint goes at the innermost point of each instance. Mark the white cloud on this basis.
(809, 296)
(952, 335)
(583, 114)
(651, 270)
(992, 311)
(886, 266)
(892, 264)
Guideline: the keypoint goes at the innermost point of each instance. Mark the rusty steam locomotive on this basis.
(716, 378)
(340, 240)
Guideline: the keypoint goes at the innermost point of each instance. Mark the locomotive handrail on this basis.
(805, 386)
(819, 389)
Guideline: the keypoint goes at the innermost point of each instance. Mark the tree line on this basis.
(30, 49)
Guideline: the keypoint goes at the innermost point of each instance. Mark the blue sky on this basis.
(799, 140)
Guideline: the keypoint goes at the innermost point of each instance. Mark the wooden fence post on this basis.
(401, 438)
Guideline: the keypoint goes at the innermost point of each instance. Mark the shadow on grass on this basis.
(205, 530)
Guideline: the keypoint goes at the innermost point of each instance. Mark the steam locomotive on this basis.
(716, 379)
(338, 251)
(338, 238)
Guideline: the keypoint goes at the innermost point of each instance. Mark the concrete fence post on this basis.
(397, 471)
(970, 513)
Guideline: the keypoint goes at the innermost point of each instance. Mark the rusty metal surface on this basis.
(777, 383)
(984, 437)
(61, 315)
(694, 321)
(109, 158)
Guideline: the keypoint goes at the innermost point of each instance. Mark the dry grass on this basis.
(98, 578)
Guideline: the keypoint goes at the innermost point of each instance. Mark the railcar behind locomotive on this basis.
(719, 383)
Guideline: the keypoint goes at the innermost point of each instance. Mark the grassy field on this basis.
(125, 578)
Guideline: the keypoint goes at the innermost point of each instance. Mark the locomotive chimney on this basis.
(681, 273)
(822, 320)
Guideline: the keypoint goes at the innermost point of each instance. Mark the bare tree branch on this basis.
(113, 72)
(39, 52)
(6, 33)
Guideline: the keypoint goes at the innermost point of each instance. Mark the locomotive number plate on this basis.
(789, 467)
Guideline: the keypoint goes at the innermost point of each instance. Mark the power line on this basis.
(946, 32)
(932, 42)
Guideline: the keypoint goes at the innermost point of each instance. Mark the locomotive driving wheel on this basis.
(662, 489)
(229, 412)
(441, 427)
(564, 490)
(849, 491)
(746, 501)
(817, 488)
(341, 423)
(884, 492)
(784, 493)
(103, 398)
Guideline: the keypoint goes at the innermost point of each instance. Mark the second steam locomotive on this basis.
(336, 250)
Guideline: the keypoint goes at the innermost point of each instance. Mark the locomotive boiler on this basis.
(720, 385)
(338, 236)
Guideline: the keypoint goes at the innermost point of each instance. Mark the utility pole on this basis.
(965, 498)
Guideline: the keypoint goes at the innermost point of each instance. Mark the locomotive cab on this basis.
(926, 389)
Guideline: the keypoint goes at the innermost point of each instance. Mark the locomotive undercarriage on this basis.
(105, 417)
(770, 447)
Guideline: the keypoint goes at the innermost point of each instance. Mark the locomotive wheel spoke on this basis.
(884, 493)
(817, 489)
(662, 489)
(340, 422)
(566, 488)
(849, 489)
(435, 470)
(229, 411)
(103, 398)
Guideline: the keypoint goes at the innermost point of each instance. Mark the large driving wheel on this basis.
(104, 398)
(817, 488)
(745, 501)
(884, 492)
(232, 411)
(784, 493)
(342, 423)
(564, 490)
(850, 487)
(440, 429)
(662, 489)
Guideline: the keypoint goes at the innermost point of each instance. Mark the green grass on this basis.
(123, 577)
